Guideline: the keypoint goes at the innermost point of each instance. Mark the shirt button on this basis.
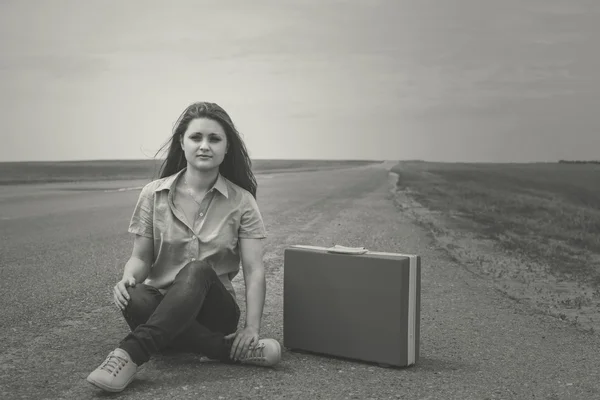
(193, 259)
(201, 214)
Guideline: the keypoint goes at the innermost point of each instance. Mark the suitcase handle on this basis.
(346, 250)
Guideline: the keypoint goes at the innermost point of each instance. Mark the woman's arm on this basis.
(136, 269)
(255, 282)
(138, 265)
(254, 278)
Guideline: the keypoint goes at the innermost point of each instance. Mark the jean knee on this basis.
(199, 270)
(142, 302)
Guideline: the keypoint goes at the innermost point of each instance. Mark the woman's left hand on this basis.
(245, 339)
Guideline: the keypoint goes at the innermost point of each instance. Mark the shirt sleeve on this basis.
(143, 213)
(251, 224)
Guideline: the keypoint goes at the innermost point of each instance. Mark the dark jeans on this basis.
(195, 315)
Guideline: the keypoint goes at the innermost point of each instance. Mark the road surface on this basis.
(63, 247)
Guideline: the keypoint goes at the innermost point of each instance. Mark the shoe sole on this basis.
(278, 350)
(109, 388)
(278, 355)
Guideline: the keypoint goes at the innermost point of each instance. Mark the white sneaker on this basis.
(266, 354)
(115, 373)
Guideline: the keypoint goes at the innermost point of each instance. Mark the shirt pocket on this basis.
(223, 236)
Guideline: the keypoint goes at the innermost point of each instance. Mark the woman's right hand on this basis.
(121, 297)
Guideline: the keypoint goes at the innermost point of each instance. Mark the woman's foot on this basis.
(115, 373)
(266, 354)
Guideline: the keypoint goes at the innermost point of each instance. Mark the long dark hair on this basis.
(236, 166)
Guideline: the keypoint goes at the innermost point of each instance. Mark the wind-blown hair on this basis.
(236, 166)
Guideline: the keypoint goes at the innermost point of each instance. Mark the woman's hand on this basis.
(121, 297)
(245, 339)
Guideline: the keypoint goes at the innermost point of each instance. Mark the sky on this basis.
(437, 80)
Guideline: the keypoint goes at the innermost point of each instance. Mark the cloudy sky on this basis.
(460, 80)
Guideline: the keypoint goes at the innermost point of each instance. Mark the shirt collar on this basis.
(170, 181)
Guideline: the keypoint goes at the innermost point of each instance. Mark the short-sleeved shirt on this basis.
(227, 213)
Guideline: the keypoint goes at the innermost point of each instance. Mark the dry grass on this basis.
(71, 171)
(543, 211)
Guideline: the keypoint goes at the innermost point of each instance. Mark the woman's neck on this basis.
(201, 181)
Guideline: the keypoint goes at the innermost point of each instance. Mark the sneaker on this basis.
(266, 354)
(115, 373)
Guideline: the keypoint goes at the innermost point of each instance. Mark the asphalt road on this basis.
(63, 247)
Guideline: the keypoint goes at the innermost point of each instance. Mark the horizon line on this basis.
(310, 159)
(162, 159)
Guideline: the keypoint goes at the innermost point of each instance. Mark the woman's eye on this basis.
(213, 139)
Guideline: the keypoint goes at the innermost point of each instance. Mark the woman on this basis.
(192, 228)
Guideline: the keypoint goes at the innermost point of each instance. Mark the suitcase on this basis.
(352, 303)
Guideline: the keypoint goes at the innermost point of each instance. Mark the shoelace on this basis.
(255, 353)
(113, 364)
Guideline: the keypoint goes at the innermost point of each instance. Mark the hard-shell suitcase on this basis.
(352, 303)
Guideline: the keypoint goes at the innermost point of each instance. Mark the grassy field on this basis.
(72, 171)
(548, 212)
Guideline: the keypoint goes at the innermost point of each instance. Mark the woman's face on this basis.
(204, 144)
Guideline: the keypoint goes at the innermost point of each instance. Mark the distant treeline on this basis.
(578, 162)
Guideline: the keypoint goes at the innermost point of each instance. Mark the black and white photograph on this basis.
(300, 199)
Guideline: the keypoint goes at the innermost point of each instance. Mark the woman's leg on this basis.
(219, 316)
(143, 300)
(220, 313)
(174, 320)
(196, 295)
